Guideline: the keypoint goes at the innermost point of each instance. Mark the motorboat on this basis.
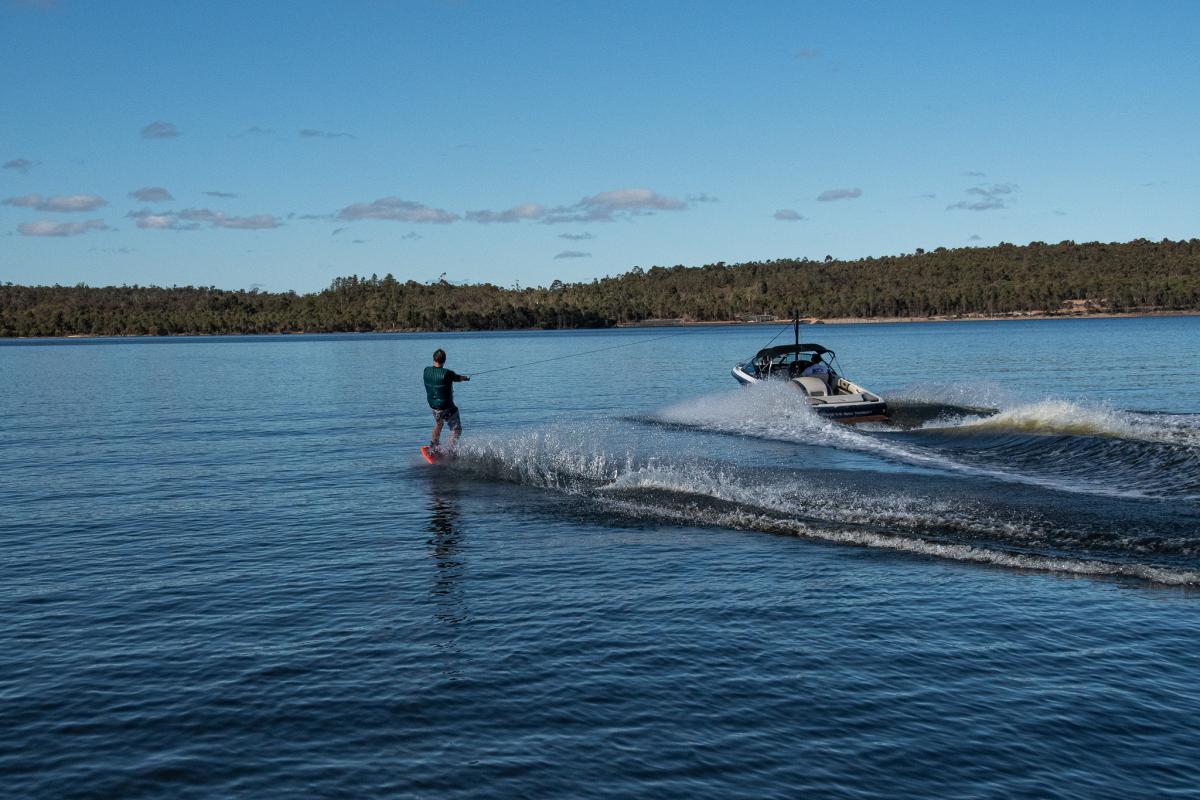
(810, 368)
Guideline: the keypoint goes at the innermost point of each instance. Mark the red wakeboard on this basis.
(434, 455)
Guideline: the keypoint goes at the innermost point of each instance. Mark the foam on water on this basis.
(554, 458)
(685, 487)
(1061, 416)
(778, 412)
(740, 519)
(816, 503)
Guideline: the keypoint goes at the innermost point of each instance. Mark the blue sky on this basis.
(281, 145)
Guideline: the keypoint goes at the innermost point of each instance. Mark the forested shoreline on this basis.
(1006, 279)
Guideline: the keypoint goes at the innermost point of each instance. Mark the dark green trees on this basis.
(1138, 275)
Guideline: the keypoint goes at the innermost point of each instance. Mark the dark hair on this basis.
(439, 356)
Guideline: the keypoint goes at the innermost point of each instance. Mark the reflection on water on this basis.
(447, 591)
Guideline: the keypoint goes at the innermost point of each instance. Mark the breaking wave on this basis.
(1058, 416)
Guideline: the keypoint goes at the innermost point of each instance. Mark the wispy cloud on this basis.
(601, 207)
(702, 197)
(167, 221)
(577, 237)
(975, 237)
(839, 194)
(397, 210)
(160, 130)
(192, 218)
(253, 130)
(151, 194)
(256, 222)
(974, 173)
(45, 227)
(614, 205)
(23, 201)
(313, 133)
(993, 197)
(995, 190)
(789, 215)
(219, 220)
(411, 236)
(221, 194)
(807, 54)
(524, 211)
(990, 204)
(58, 203)
(573, 254)
(72, 203)
(630, 200)
(21, 165)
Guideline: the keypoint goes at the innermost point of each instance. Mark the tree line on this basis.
(1006, 278)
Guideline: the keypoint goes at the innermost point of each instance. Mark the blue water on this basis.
(226, 573)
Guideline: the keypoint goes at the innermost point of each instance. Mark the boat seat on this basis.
(813, 387)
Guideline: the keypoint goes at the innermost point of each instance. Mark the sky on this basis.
(280, 145)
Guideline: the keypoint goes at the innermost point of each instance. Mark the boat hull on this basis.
(854, 412)
(851, 413)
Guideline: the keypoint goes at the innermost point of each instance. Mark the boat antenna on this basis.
(796, 325)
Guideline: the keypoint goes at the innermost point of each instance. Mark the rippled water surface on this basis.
(227, 573)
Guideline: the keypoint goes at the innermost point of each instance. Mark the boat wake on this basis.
(1054, 444)
(666, 471)
(1058, 416)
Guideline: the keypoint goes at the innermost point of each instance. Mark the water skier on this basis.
(439, 389)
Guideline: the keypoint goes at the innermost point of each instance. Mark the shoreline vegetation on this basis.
(1033, 281)
(1016, 315)
(682, 323)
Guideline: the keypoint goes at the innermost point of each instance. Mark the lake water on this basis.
(227, 573)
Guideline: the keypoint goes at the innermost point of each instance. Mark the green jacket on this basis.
(439, 387)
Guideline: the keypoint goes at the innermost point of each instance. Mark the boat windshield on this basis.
(781, 364)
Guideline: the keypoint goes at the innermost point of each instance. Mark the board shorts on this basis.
(449, 416)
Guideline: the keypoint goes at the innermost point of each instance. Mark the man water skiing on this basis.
(439, 389)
